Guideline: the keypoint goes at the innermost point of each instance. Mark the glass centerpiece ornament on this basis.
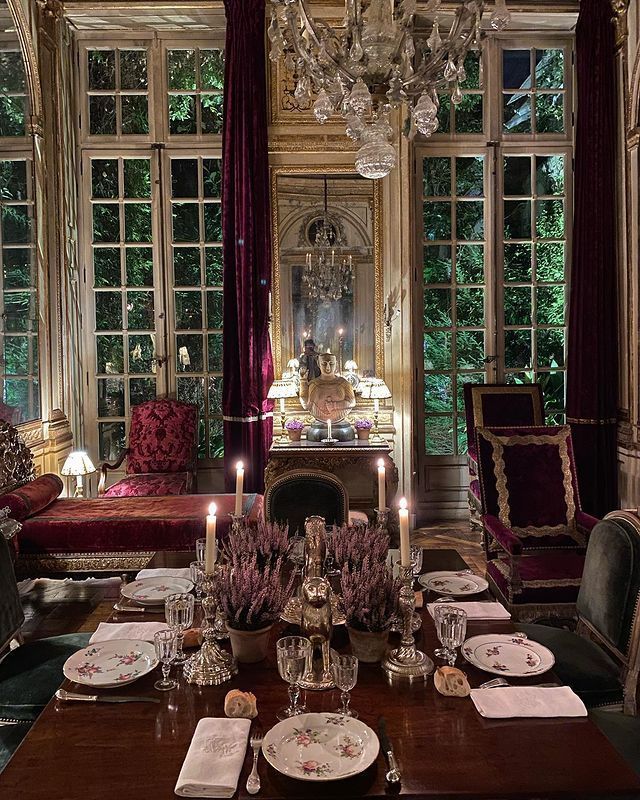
(378, 61)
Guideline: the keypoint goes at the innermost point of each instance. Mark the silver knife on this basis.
(130, 609)
(393, 775)
(61, 694)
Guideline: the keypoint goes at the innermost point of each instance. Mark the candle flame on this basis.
(381, 462)
(239, 465)
(213, 508)
(403, 503)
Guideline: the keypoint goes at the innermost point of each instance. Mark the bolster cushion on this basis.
(32, 497)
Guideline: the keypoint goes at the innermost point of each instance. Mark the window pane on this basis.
(16, 355)
(470, 177)
(141, 390)
(437, 350)
(137, 222)
(211, 113)
(213, 222)
(211, 69)
(137, 178)
(13, 179)
(437, 264)
(437, 220)
(17, 268)
(437, 308)
(108, 311)
(106, 222)
(182, 69)
(517, 262)
(469, 114)
(517, 219)
(517, 176)
(437, 177)
(550, 69)
(111, 440)
(553, 389)
(190, 355)
(213, 265)
(550, 175)
(470, 263)
(216, 438)
(470, 220)
(212, 177)
(133, 69)
(110, 354)
(550, 305)
(550, 113)
(110, 397)
(186, 222)
(182, 114)
(438, 393)
(215, 395)
(517, 348)
(139, 266)
(191, 390)
(517, 305)
(188, 310)
(142, 353)
(517, 113)
(135, 114)
(101, 65)
(550, 345)
(550, 219)
(186, 266)
(214, 310)
(215, 352)
(516, 69)
(184, 177)
(104, 178)
(12, 77)
(16, 224)
(140, 311)
(106, 266)
(439, 436)
(550, 257)
(12, 116)
(470, 349)
(470, 306)
(102, 115)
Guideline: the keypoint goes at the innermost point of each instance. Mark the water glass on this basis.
(451, 627)
(345, 676)
(294, 659)
(166, 644)
(201, 546)
(178, 612)
(415, 556)
(197, 576)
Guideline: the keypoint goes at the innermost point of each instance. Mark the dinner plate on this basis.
(293, 611)
(114, 663)
(320, 747)
(505, 654)
(458, 584)
(154, 591)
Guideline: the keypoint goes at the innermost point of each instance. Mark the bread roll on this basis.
(240, 704)
(451, 682)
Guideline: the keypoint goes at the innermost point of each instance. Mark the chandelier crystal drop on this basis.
(376, 62)
(327, 274)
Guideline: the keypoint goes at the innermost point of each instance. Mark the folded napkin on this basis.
(214, 759)
(142, 631)
(476, 610)
(173, 572)
(528, 701)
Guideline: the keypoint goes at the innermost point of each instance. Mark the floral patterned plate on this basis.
(153, 591)
(320, 747)
(457, 584)
(113, 663)
(508, 655)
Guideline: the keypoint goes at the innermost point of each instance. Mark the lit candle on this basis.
(239, 487)
(211, 549)
(405, 542)
(328, 429)
(382, 485)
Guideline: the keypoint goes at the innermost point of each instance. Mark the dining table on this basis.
(445, 748)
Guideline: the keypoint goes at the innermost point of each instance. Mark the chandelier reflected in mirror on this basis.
(327, 274)
(376, 62)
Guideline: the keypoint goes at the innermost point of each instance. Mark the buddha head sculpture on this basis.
(329, 396)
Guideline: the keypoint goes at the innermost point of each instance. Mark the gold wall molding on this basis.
(311, 143)
(23, 32)
(620, 9)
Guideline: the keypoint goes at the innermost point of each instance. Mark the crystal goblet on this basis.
(345, 677)
(294, 656)
(166, 644)
(415, 556)
(178, 612)
(451, 627)
(201, 546)
(197, 569)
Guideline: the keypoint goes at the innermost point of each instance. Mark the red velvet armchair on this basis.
(162, 452)
(535, 531)
(489, 404)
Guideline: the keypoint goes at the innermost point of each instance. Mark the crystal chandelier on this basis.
(375, 63)
(323, 279)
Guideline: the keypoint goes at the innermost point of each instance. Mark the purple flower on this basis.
(294, 425)
(363, 424)
(369, 594)
(347, 545)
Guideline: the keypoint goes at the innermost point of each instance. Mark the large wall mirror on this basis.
(327, 281)
(19, 328)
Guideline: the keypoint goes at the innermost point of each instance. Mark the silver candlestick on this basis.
(407, 661)
(382, 517)
(210, 666)
(238, 522)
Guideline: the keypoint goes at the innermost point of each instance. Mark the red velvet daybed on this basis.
(119, 533)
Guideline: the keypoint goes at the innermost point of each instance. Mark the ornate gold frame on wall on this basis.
(276, 300)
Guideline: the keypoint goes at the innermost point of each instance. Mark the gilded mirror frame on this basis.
(276, 299)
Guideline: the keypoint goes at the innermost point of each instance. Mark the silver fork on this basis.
(253, 781)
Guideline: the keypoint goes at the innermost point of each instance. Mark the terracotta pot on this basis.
(294, 436)
(363, 433)
(250, 646)
(368, 646)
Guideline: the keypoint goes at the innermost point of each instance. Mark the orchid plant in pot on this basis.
(370, 597)
(294, 428)
(252, 598)
(363, 427)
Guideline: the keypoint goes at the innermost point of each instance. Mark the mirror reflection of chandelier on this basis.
(327, 274)
(376, 62)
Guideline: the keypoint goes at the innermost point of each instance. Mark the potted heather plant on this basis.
(269, 541)
(252, 599)
(370, 597)
(345, 545)
(294, 428)
(363, 427)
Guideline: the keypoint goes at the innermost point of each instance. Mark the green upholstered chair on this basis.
(602, 659)
(622, 730)
(29, 674)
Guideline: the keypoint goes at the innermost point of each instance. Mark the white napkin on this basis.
(476, 610)
(173, 572)
(214, 759)
(528, 701)
(142, 631)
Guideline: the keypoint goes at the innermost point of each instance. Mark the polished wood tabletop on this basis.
(82, 751)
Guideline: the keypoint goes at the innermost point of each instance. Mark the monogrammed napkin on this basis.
(528, 701)
(476, 609)
(214, 759)
(142, 631)
(174, 572)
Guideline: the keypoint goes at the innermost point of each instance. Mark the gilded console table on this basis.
(354, 463)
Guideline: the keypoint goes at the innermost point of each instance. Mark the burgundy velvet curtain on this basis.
(248, 368)
(592, 365)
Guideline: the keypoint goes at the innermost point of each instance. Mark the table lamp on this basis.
(78, 464)
(279, 391)
(375, 389)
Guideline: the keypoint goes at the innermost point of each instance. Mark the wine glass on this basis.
(178, 612)
(345, 676)
(415, 557)
(294, 657)
(197, 576)
(166, 644)
(451, 626)
(201, 545)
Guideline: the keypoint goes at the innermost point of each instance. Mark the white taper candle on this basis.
(211, 548)
(239, 488)
(405, 541)
(382, 485)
